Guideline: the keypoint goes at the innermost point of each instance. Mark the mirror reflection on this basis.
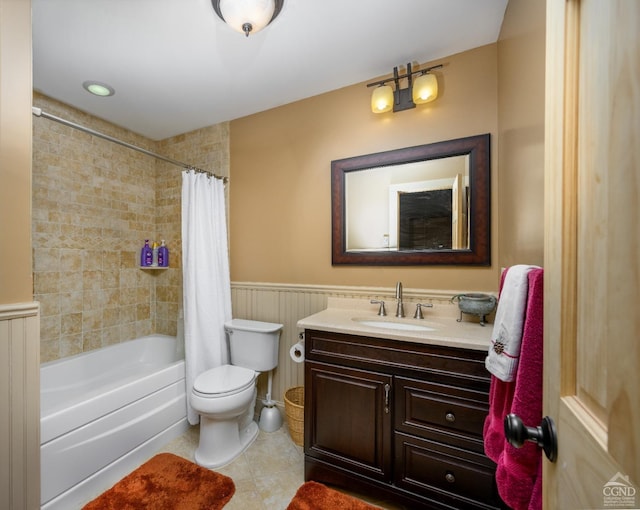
(413, 206)
(428, 204)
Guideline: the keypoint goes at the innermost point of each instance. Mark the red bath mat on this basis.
(167, 482)
(315, 496)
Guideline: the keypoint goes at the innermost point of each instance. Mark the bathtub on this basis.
(104, 412)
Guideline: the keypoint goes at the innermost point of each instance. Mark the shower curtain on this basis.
(205, 276)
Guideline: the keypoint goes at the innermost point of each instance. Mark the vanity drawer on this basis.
(462, 479)
(458, 367)
(444, 413)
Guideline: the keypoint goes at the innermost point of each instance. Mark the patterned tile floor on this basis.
(267, 475)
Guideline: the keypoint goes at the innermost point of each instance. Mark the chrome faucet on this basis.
(382, 311)
(400, 306)
(419, 306)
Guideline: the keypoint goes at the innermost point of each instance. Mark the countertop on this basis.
(343, 316)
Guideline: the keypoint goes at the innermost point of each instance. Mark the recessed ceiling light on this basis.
(99, 89)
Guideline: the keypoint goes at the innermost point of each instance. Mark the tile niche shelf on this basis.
(153, 267)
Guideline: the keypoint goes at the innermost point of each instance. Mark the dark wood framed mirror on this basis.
(428, 204)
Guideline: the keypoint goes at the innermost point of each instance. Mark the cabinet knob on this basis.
(450, 417)
(450, 477)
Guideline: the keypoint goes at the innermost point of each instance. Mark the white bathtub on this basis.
(104, 412)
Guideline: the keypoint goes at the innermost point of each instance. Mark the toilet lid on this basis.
(224, 379)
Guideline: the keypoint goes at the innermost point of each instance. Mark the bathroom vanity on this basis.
(396, 407)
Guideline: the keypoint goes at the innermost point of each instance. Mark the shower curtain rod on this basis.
(38, 112)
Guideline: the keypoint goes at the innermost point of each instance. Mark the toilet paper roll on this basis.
(297, 352)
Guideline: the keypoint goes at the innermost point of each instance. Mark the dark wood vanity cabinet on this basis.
(353, 427)
(398, 419)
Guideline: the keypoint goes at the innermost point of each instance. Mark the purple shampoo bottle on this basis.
(163, 255)
(146, 255)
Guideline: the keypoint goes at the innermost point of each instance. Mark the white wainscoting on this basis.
(286, 304)
(19, 406)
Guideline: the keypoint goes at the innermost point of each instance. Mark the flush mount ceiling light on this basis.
(247, 16)
(99, 89)
(419, 91)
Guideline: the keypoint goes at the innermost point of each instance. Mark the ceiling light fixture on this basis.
(247, 16)
(419, 91)
(99, 89)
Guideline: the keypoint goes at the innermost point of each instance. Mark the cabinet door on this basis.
(348, 418)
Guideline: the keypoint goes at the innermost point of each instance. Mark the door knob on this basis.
(544, 435)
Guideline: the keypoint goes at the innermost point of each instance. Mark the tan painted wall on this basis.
(19, 321)
(521, 61)
(280, 223)
(15, 152)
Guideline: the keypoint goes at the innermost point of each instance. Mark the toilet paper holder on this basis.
(297, 350)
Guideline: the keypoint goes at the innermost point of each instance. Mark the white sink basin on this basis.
(402, 326)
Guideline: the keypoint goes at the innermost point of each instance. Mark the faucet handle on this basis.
(418, 314)
(382, 311)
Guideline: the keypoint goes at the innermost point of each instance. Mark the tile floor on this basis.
(267, 475)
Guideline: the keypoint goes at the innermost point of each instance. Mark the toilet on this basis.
(225, 396)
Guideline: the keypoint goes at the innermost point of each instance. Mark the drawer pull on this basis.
(449, 477)
(387, 389)
(450, 417)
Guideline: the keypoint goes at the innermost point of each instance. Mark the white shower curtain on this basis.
(205, 276)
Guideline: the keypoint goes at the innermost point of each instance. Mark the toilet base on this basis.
(221, 442)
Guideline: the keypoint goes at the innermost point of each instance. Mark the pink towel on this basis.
(500, 398)
(518, 474)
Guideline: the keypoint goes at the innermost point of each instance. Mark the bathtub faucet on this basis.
(400, 306)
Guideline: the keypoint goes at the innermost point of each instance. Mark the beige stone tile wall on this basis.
(94, 204)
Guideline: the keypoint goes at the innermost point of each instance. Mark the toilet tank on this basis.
(253, 344)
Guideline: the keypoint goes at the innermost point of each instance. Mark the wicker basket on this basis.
(294, 408)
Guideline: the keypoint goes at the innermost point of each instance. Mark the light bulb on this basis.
(98, 89)
(425, 88)
(382, 99)
(247, 16)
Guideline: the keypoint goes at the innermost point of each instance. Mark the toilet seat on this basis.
(224, 380)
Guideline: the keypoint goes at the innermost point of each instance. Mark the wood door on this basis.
(348, 418)
(592, 259)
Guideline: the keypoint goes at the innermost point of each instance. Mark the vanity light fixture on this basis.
(247, 16)
(382, 99)
(98, 89)
(419, 91)
(425, 88)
